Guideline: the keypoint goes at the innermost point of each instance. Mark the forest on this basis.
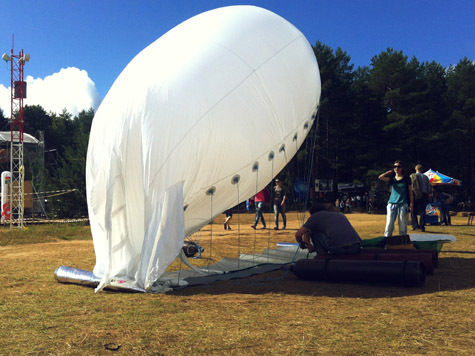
(397, 108)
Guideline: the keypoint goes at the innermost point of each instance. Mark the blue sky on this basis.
(101, 37)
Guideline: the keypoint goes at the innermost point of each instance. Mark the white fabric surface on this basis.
(6, 136)
(432, 237)
(200, 105)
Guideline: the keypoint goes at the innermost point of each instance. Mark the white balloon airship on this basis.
(198, 121)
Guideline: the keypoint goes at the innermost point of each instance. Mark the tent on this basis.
(436, 178)
(6, 136)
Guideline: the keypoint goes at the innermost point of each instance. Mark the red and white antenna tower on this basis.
(17, 169)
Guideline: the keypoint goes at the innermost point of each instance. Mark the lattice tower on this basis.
(18, 93)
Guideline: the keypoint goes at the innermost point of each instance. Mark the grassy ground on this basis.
(267, 314)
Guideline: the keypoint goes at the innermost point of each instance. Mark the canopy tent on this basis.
(5, 140)
(6, 136)
(436, 178)
(199, 121)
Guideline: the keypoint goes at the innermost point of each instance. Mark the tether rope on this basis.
(48, 221)
(239, 225)
(179, 273)
(256, 221)
(210, 192)
(53, 191)
(271, 157)
(53, 195)
(313, 144)
(307, 180)
(300, 216)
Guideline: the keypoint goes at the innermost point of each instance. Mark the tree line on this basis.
(63, 155)
(395, 108)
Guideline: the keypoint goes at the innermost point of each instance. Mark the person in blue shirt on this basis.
(400, 201)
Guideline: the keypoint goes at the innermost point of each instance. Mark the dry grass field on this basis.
(270, 314)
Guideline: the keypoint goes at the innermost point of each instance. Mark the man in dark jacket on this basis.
(420, 190)
(328, 232)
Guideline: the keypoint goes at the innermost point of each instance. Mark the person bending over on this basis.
(328, 232)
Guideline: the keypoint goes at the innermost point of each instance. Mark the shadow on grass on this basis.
(453, 273)
(462, 252)
(37, 234)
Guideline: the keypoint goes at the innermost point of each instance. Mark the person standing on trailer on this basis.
(400, 201)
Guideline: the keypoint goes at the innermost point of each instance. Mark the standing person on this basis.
(401, 196)
(260, 201)
(446, 201)
(420, 190)
(342, 205)
(229, 215)
(279, 204)
(328, 231)
(348, 205)
(366, 202)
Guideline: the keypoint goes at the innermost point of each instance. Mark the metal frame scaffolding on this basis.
(17, 169)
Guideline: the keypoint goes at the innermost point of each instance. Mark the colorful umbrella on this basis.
(436, 178)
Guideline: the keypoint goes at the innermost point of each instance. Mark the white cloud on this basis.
(5, 100)
(70, 89)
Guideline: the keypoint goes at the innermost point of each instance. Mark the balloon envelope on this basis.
(197, 122)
